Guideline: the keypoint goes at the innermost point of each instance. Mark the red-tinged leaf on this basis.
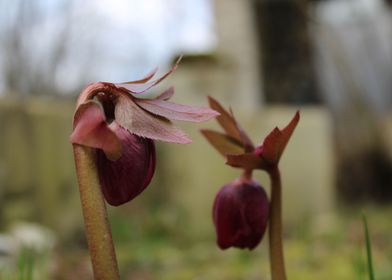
(174, 111)
(144, 79)
(224, 143)
(142, 123)
(246, 161)
(141, 88)
(91, 130)
(167, 94)
(275, 143)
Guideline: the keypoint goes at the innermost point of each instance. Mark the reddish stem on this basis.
(98, 233)
(275, 227)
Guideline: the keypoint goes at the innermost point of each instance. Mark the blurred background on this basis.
(332, 59)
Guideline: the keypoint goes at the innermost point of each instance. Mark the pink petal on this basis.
(142, 123)
(140, 88)
(175, 111)
(167, 94)
(144, 79)
(91, 130)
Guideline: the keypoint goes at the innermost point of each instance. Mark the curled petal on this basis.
(124, 179)
(140, 122)
(137, 88)
(275, 143)
(91, 130)
(167, 94)
(174, 111)
(144, 79)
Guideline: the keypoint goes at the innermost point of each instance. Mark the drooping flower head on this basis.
(240, 214)
(241, 208)
(121, 124)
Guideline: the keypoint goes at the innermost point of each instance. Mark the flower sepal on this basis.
(268, 154)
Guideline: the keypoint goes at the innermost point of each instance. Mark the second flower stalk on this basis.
(241, 209)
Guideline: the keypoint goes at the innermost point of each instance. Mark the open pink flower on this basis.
(121, 126)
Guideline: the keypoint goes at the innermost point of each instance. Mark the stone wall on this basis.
(37, 180)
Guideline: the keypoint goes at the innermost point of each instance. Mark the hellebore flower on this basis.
(121, 124)
(240, 214)
(241, 209)
(114, 129)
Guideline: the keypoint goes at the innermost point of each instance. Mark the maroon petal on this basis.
(144, 124)
(91, 130)
(174, 111)
(240, 215)
(124, 179)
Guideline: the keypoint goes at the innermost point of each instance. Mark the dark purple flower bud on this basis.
(240, 214)
(124, 179)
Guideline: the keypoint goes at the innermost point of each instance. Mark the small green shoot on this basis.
(368, 248)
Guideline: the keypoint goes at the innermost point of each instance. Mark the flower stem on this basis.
(275, 227)
(98, 233)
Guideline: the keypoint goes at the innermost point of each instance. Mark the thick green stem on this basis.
(275, 227)
(98, 233)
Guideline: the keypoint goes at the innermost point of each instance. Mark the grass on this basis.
(333, 249)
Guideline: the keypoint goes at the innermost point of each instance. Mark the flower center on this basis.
(108, 103)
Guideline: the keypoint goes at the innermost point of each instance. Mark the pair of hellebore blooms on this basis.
(120, 123)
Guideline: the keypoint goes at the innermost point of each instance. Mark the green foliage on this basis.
(26, 264)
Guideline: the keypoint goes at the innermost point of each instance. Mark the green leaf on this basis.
(368, 249)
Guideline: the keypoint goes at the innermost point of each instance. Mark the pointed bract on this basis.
(223, 143)
(247, 161)
(226, 120)
(230, 125)
(275, 143)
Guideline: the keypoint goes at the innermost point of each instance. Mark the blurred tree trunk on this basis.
(286, 51)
